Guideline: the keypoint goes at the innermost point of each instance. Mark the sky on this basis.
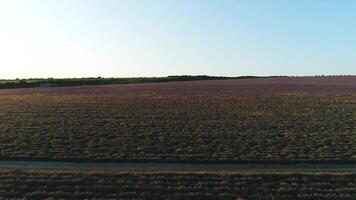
(140, 38)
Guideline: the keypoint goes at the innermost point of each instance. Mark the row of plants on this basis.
(32, 184)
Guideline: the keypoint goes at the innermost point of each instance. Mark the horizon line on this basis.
(137, 77)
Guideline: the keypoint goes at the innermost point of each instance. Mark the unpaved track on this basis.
(175, 167)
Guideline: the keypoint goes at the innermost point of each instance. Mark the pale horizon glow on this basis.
(138, 38)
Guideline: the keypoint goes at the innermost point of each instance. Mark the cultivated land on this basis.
(261, 120)
(310, 119)
(101, 185)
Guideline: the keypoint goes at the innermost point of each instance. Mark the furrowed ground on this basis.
(99, 185)
(252, 120)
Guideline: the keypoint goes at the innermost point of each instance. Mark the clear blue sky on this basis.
(81, 38)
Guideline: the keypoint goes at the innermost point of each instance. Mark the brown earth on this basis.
(32, 184)
(307, 119)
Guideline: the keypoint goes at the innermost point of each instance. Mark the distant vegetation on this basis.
(50, 82)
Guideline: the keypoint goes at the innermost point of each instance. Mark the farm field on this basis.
(306, 119)
(32, 184)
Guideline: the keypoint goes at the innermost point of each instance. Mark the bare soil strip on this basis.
(177, 167)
